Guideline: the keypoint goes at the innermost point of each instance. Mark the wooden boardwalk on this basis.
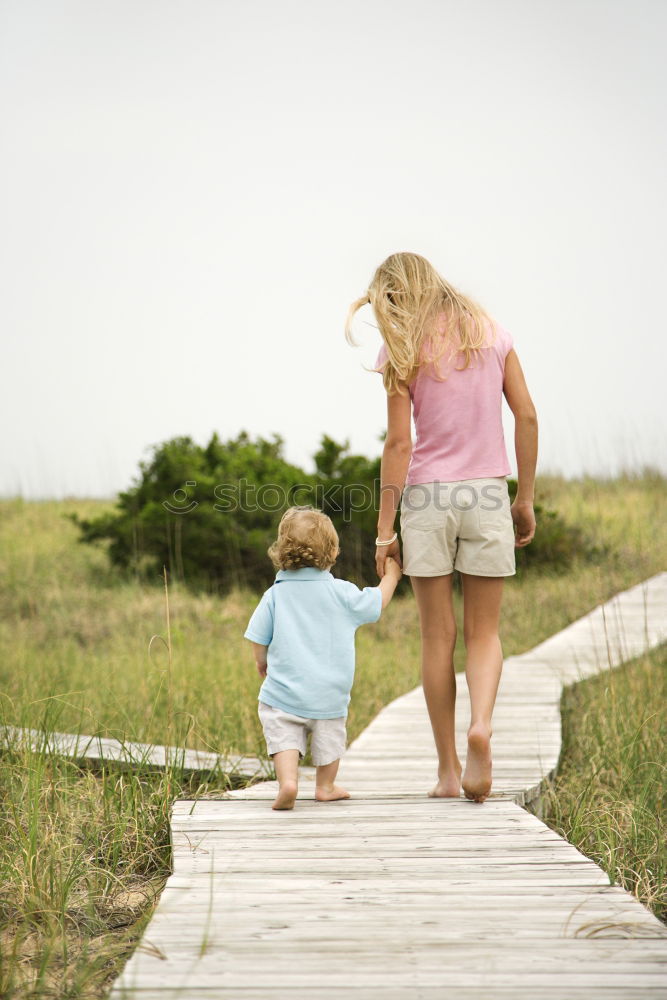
(102, 751)
(396, 896)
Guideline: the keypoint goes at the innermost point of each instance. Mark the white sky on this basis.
(194, 192)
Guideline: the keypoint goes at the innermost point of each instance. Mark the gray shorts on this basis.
(466, 525)
(283, 731)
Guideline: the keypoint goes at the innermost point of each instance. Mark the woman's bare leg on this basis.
(438, 635)
(482, 596)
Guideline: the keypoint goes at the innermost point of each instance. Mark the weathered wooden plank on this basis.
(351, 904)
(389, 992)
(291, 974)
(103, 750)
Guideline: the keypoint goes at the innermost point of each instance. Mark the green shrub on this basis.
(197, 511)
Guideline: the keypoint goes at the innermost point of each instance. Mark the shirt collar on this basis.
(303, 574)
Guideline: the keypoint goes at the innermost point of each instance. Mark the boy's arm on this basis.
(260, 627)
(389, 582)
(260, 657)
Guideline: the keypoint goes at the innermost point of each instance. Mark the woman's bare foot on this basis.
(477, 776)
(324, 794)
(286, 797)
(448, 785)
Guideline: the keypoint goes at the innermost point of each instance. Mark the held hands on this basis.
(391, 574)
(523, 516)
(392, 569)
(385, 555)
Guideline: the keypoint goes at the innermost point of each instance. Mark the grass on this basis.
(83, 853)
(83, 857)
(608, 798)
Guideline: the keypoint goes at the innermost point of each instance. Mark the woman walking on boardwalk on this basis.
(447, 364)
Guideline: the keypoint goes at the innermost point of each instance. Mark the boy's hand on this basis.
(261, 668)
(260, 652)
(392, 568)
(388, 583)
(383, 554)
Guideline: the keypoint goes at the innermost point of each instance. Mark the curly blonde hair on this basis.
(306, 537)
(408, 297)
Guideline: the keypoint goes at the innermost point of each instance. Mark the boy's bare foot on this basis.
(331, 794)
(477, 776)
(448, 785)
(286, 797)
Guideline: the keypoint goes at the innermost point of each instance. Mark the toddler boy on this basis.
(302, 633)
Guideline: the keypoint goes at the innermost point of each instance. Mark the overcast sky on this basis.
(193, 192)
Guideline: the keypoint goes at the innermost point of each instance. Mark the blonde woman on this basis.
(446, 364)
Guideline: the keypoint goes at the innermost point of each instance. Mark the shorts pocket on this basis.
(419, 511)
(493, 504)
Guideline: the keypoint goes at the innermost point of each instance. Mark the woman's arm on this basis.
(525, 444)
(393, 472)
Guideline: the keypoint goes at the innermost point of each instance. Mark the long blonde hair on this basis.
(407, 294)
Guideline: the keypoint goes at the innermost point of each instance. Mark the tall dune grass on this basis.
(608, 798)
(83, 857)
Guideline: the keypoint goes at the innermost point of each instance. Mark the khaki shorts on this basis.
(283, 731)
(466, 525)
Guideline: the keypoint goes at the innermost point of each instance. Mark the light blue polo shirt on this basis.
(308, 619)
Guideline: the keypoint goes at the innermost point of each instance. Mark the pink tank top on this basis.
(458, 422)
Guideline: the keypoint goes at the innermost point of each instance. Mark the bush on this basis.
(209, 513)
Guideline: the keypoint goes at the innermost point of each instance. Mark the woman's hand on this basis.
(523, 516)
(381, 553)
